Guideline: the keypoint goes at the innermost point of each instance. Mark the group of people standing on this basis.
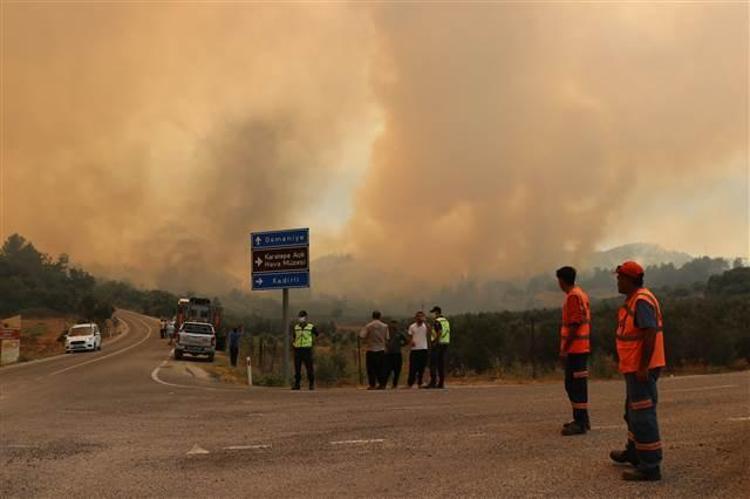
(639, 342)
(383, 342)
(427, 342)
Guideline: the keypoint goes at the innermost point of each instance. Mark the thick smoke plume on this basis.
(147, 140)
(515, 133)
(500, 139)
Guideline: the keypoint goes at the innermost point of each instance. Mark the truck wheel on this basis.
(211, 358)
(177, 355)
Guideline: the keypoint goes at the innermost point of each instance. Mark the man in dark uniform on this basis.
(302, 341)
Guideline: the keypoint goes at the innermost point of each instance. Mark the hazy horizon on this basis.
(431, 142)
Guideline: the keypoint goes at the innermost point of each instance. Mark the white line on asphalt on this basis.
(197, 449)
(98, 359)
(359, 441)
(610, 427)
(700, 389)
(155, 377)
(248, 447)
(745, 418)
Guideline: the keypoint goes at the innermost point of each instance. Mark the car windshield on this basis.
(193, 328)
(81, 331)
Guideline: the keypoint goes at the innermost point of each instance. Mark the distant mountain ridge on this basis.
(644, 253)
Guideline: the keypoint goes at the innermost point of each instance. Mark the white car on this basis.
(83, 337)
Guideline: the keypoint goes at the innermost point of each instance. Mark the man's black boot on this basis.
(623, 457)
(573, 429)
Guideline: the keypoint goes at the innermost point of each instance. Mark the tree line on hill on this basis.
(707, 320)
(707, 329)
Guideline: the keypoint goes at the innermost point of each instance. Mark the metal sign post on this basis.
(287, 332)
(281, 260)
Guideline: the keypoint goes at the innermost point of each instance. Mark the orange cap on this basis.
(631, 269)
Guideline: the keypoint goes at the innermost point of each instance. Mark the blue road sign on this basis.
(280, 280)
(280, 239)
(280, 259)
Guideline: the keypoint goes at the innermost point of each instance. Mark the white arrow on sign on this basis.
(258, 261)
(257, 240)
(259, 281)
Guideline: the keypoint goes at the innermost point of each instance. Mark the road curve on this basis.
(123, 422)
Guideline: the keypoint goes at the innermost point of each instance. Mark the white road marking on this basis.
(745, 418)
(248, 447)
(196, 450)
(155, 377)
(359, 441)
(18, 446)
(98, 359)
(700, 389)
(610, 427)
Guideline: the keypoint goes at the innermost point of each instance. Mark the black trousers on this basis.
(437, 364)
(375, 370)
(644, 443)
(303, 355)
(417, 365)
(576, 385)
(393, 363)
(233, 352)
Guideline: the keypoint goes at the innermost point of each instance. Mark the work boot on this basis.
(312, 387)
(573, 429)
(588, 425)
(623, 457)
(295, 387)
(652, 475)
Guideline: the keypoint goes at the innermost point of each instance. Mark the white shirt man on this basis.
(418, 332)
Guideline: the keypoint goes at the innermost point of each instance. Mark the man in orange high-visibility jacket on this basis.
(640, 347)
(574, 349)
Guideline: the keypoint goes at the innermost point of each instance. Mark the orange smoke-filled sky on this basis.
(423, 139)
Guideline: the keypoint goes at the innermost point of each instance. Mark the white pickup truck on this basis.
(195, 338)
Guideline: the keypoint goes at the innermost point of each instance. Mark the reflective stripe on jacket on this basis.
(580, 343)
(630, 337)
(303, 337)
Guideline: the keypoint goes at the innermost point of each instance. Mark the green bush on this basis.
(269, 379)
(331, 367)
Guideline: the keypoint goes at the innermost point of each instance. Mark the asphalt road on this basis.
(127, 422)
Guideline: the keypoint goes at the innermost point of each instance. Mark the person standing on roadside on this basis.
(574, 349)
(302, 342)
(419, 351)
(441, 339)
(234, 345)
(640, 348)
(170, 331)
(393, 358)
(375, 334)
